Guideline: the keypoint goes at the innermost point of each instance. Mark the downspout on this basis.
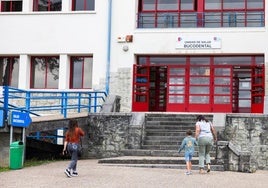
(107, 89)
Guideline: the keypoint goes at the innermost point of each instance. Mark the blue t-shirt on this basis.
(188, 144)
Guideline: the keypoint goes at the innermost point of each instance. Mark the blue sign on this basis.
(20, 119)
(1, 118)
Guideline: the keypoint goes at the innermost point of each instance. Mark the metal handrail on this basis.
(37, 101)
(200, 19)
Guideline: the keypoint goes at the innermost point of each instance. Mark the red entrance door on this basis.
(257, 86)
(158, 90)
(177, 99)
(222, 89)
(141, 84)
(199, 88)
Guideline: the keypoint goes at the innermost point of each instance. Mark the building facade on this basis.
(160, 55)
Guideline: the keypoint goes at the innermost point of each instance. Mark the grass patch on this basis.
(36, 162)
(4, 169)
(29, 163)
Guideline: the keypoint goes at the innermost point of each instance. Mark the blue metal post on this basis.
(79, 103)
(6, 93)
(89, 103)
(95, 102)
(65, 105)
(108, 47)
(28, 101)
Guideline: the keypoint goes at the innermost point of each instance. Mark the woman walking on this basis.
(204, 133)
(71, 143)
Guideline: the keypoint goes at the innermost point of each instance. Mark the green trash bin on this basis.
(16, 155)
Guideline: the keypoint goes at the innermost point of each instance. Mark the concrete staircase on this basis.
(163, 134)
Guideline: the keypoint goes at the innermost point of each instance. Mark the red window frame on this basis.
(83, 76)
(85, 7)
(46, 67)
(196, 16)
(8, 76)
(49, 6)
(11, 5)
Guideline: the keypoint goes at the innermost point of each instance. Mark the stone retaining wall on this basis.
(110, 134)
(246, 146)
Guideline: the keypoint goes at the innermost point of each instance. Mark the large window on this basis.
(195, 13)
(9, 71)
(47, 5)
(45, 72)
(83, 5)
(81, 72)
(11, 6)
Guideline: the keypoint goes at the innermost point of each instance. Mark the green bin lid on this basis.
(16, 143)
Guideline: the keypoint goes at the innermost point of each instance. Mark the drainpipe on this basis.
(108, 47)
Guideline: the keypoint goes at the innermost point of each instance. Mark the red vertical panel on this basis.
(140, 91)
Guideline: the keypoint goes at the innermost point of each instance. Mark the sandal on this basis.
(208, 168)
(201, 171)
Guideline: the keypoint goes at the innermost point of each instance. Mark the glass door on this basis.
(176, 89)
(199, 89)
(141, 84)
(257, 92)
(223, 89)
(158, 90)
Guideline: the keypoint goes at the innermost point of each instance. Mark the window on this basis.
(11, 6)
(81, 72)
(205, 13)
(9, 71)
(47, 5)
(44, 72)
(83, 5)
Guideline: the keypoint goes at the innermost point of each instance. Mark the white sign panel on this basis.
(187, 42)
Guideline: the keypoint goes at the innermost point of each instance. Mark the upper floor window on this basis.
(195, 13)
(83, 5)
(11, 6)
(45, 72)
(47, 5)
(9, 71)
(81, 72)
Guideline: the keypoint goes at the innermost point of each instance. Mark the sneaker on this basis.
(187, 173)
(75, 174)
(201, 171)
(68, 173)
(208, 168)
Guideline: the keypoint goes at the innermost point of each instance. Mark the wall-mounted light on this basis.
(125, 48)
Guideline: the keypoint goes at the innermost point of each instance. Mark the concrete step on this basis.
(163, 130)
(161, 142)
(167, 166)
(165, 138)
(159, 153)
(155, 162)
(160, 147)
(179, 125)
(166, 133)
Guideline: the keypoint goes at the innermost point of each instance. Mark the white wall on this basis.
(69, 33)
(57, 33)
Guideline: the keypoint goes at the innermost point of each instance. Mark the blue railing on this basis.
(38, 102)
(197, 20)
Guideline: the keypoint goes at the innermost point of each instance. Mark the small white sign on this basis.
(187, 42)
(1, 91)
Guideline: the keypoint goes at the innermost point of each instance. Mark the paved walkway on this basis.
(94, 175)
